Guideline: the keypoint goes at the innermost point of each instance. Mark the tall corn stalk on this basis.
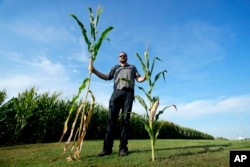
(151, 123)
(84, 111)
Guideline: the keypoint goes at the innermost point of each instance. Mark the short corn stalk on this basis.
(85, 110)
(151, 123)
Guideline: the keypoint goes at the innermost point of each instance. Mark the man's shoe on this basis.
(123, 153)
(103, 153)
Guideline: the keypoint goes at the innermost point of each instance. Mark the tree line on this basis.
(39, 118)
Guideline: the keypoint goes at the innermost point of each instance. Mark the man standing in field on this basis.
(121, 98)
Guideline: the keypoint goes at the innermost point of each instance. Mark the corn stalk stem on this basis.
(83, 105)
(152, 140)
(153, 149)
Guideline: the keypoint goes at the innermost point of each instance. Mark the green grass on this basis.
(168, 153)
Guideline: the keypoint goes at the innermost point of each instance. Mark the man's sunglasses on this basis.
(122, 56)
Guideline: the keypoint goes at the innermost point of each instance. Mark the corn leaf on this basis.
(90, 112)
(84, 32)
(142, 102)
(92, 24)
(153, 64)
(157, 129)
(146, 58)
(98, 13)
(147, 94)
(142, 63)
(83, 85)
(99, 43)
(65, 128)
(157, 76)
(149, 130)
(162, 111)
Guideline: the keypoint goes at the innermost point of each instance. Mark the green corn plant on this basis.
(3, 96)
(85, 110)
(151, 104)
(24, 106)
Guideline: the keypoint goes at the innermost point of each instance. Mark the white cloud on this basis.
(47, 66)
(40, 62)
(19, 82)
(203, 107)
(40, 72)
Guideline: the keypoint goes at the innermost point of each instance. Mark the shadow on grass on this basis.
(188, 150)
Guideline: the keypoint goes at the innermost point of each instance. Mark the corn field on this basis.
(43, 121)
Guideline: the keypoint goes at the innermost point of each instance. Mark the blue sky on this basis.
(204, 46)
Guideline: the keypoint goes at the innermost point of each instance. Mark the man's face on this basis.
(122, 58)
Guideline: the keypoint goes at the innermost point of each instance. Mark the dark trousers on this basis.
(120, 100)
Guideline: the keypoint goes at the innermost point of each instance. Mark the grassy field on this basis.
(168, 153)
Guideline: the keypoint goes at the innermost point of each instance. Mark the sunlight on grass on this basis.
(169, 153)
